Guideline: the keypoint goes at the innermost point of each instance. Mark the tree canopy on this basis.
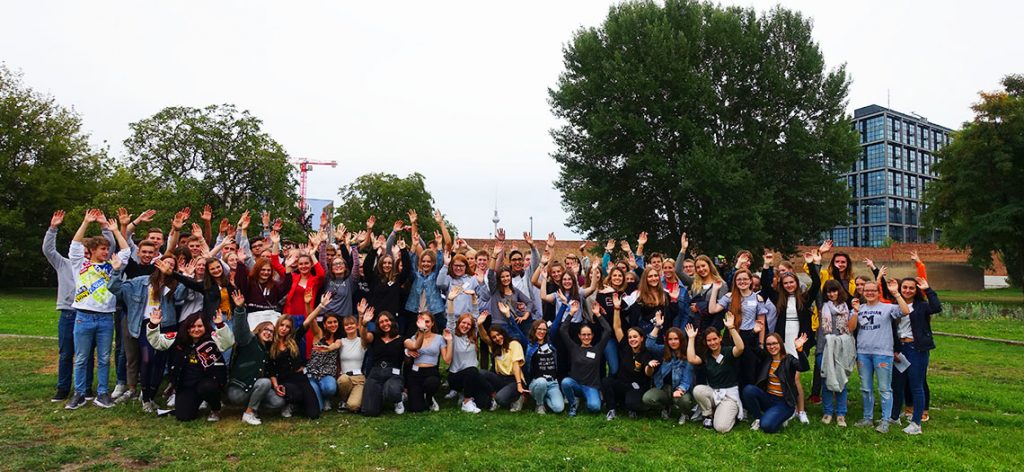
(46, 162)
(388, 198)
(978, 201)
(688, 117)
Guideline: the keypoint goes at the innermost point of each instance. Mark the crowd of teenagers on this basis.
(364, 322)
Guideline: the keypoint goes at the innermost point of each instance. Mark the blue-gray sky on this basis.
(454, 90)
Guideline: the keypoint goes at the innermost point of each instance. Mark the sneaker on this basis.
(90, 395)
(251, 419)
(470, 407)
(611, 415)
(572, 409)
(816, 399)
(286, 411)
(682, 419)
(170, 401)
(149, 407)
(912, 429)
(434, 406)
(103, 401)
(708, 423)
(327, 405)
(864, 423)
(756, 425)
(827, 419)
(343, 408)
(841, 421)
(803, 417)
(451, 395)
(517, 405)
(632, 415)
(125, 397)
(119, 390)
(696, 416)
(399, 408)
(541, 410)
(75, 403)
(214, 416)
(494, 405)
(204, 405)
(664, 413)
(883, 427)
(924, 416)
(61, 395)
(898, 422)
(160, 412)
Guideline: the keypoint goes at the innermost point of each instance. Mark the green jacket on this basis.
(249, 359)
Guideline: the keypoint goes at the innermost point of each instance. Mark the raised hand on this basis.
(447, 257)
(447, 335)
(398, 226)
(155, 316)
(222, 229)
(115, 261)
(717, 286)
(326, 298)
(307, 296)
(57, 218)
(730, 320)
(528, 238)
(178, 221)
(90, 215)
(190, 269)
(922, 283)
(769, 258)
(400, 246)
(742, 261)
(218, 318)
(277, 225)
(684, 243)
(659, 318)
(163, 266)
(500, 234)
(914, 257)
(883, 271)
(370, 222)
(691, 332)
(550, 243)
(799, 342)
(870, 263)
(275, 237)
(367, 314)
(816, 257)
(207, 213)
(625, 246)
(808, 258)
(243, 221)
(379, 242)
(196, 230)
(111, 223)
(504, 309)
(826, 246)
(856, 304)
(641, 240)
(361, 307)
(265, 218)
(147, 215)
(454, 292)
(100, 218)
(653, 364)
(483, 316)
(237, 297)
(412, 216)
(616, 301)
(583, 247)
(123, 216)
(437, 216)
(545, 258)
(610, 245)
(323, 219)
(894, 286)
(574, 307)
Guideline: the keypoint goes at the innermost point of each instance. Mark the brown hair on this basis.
(288, 342)
(651, 296)
(95, 242)
(736, 298)
(683, 339)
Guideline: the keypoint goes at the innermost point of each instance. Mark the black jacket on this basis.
(921, 321)
(785, 372)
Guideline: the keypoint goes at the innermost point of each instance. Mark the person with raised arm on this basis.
(506, 380)
(423, 379)
(322, 368)
(353, 352)
(456, 273)
(542, 363)
(719, 400)
(287, 366)
(248, 382)
(915, 344)
(772, 398)
(94, 305)
(461, 354)
(876, 333)
(423, 294)
(197, 363)
(636, 365)
(673, 380)
(384, 383)
(386, 277)
(750, 310)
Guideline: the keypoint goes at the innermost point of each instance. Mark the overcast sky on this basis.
(454, 90)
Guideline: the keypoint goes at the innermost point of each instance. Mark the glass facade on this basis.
(888, 180)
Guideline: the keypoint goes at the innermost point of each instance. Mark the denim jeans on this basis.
(832, 403)
(90, 328)
(571, 389)
(913, 379)
(546, 392)
(66, 348)
(325, 388)
(611, 357)
(875, 365)
(771, 410)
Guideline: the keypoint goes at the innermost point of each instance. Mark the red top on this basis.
(295, 298)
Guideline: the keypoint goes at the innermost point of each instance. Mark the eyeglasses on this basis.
(517, 259)
(771, 344)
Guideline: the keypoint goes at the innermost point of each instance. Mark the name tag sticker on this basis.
(396, 372)
(636, 386)
(591, 355)
(415, 368)
(357, 372)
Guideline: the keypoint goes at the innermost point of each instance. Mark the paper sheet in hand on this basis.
(257, 317)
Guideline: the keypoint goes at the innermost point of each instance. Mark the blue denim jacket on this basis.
(421, 283)
(681, 370)
(134, 292)
(532, 347)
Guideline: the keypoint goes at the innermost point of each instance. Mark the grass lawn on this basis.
(998, 295)
(977, 422)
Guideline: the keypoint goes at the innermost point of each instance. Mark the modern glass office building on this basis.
(889, 177)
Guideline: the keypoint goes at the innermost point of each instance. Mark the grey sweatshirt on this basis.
(65, 274)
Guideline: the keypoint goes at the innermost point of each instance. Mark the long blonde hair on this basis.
(698, 281)
(288, 341)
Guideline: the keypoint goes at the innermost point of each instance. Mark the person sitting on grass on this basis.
(721, 396)
(248, 383)
(196, 360)
(772, 398)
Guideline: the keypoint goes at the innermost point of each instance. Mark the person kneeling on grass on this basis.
(721, 396)
(673, 381)
(772, 398)
(195, 352)
(287, 368)
(248, 383)
(507, 377)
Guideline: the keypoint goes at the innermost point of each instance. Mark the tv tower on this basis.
(495, 220)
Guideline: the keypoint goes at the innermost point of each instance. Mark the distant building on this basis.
(316, 207)
(889, 178)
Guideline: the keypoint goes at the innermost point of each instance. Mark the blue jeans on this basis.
(771, 410)
(871, 365)
(66, 348)
(571, 389)
(611, 357)
(325, 388)
(917, 375)
(832, 403)
(93, 328)
(546, 392)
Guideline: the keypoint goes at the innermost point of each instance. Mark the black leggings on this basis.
(298, 392)
(188, 399)
(746, 373)
(382, 387)
(470, 383)
(422, 384)
(619, 393)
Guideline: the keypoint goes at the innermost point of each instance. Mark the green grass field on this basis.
(977, 422)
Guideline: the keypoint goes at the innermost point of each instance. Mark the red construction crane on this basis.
(306, 165)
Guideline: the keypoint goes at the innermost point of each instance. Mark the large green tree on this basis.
(46, 163)
(978, 201)
(687, 117)
(387, 197)
(217, 155)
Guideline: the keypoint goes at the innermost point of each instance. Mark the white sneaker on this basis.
(803, 417)
(696, 414)
(250, 418)
(327, 405)
(611, 415)
(214, 416)
(149, 407)
(517, 405)
(343, 407)
(399, 408)
(451, 395)
(682, 419)
(127, 396)
(286, 411)
(664, 413)
(170, 401)
(434, 406)
(470, 407)
(119, 390)
(204, 406)
(913, 429)
(541, 410)
(494, 405)
(756, 425)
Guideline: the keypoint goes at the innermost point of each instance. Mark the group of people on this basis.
(359, 321)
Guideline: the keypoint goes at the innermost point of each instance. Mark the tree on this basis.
(692, 118)
(217, 155)
(46, 163)
(978, 201)
(388, 198)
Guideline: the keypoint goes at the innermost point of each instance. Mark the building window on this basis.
(896, 233)
(873, 211)
(841, 236)
(895, 210)
(875, 156)
(873, 183)
(875, 129)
